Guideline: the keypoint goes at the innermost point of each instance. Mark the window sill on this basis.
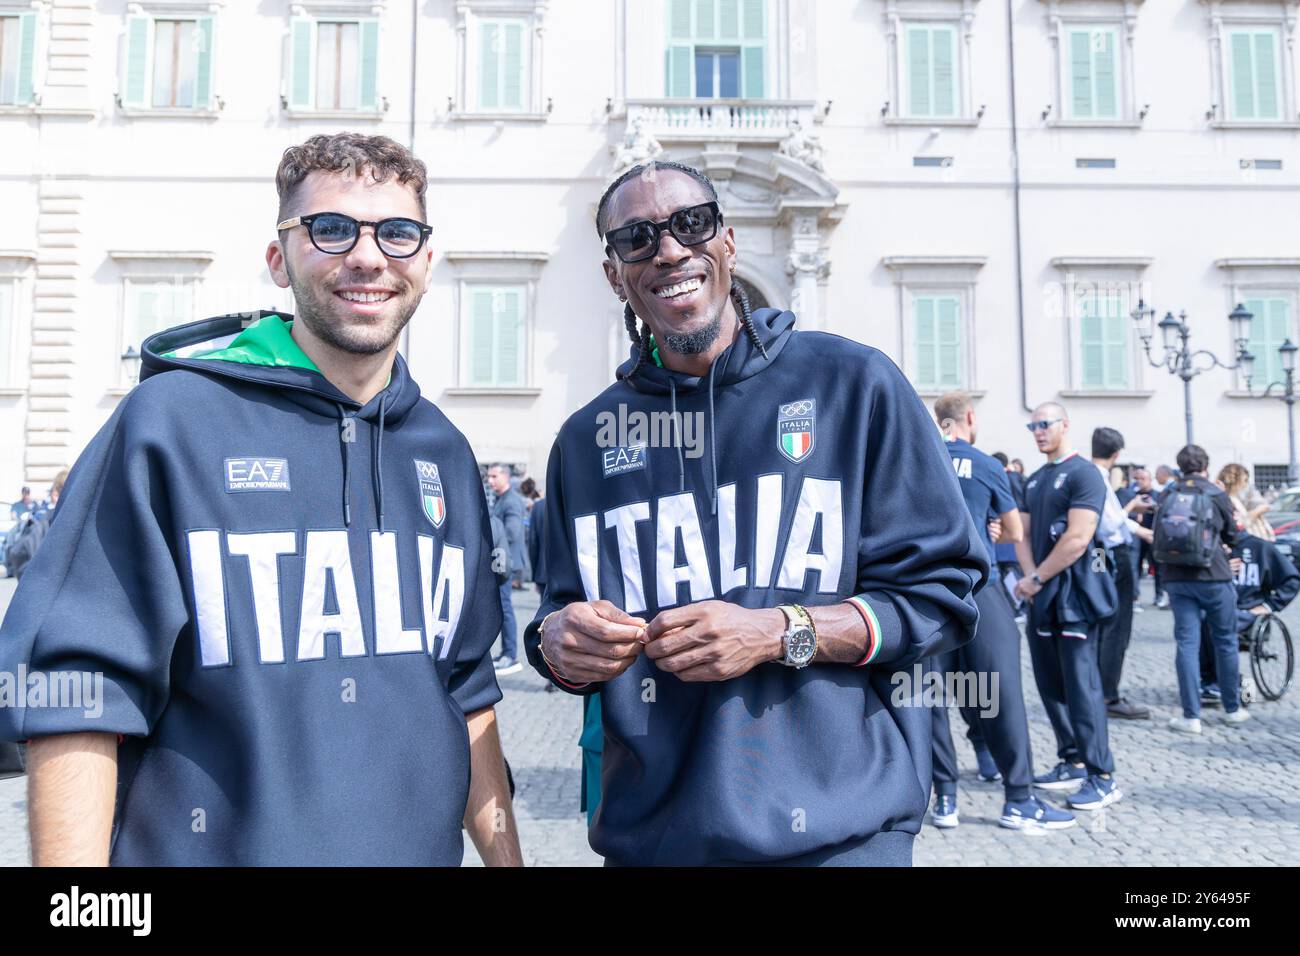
(10, 392)
(936, 392)
(142, 112)
(493, 392)
(116, 392)
(521, 117)
(1095, 124)
(375, 115)
(1105, 393)
(1251, 124)
(936, 121)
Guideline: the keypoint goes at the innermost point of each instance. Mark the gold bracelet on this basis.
(807, 618)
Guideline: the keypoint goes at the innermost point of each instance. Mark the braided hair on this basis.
(641, 336)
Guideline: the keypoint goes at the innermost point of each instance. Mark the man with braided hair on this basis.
(741, 602)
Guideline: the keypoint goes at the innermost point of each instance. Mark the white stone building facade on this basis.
(865, 152)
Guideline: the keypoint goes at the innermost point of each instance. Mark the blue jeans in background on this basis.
(1217, 602)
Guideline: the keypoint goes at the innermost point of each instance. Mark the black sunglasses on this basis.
(639, 241)
(336, 234)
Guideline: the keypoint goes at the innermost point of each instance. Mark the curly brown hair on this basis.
(1234, 476)
(356, 153)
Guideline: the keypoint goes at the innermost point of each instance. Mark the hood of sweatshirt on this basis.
(259, 347)
(739, 361)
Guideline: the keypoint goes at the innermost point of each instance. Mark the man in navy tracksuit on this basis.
(1068, 578)
(741, 600)
(275, 558)
(995, 650)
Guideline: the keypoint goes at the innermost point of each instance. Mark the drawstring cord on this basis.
(347, 435)
(378, 461)
(677, 435)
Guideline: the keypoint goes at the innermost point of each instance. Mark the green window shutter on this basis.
(509, 327)
(1081, 74)
(369, 85)
(203, 63)
(1104, 73)
(1243, 77)
(139, 38)
(679, 20)
(489, 66)
(26, 92)
(302, 44)
(729, 19)
(1266, 79)
(1268, 329)
(705, 20)
(926, 372)
(918, 71)
(481, 349)
(948, 333)
(678, 73)
(751, 63)
(755, 20)
(1115, 329)
(945, 100)
(512, 96)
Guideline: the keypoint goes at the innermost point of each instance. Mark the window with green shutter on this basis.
(1103, 340)
(333, 64)
(168, 63)
(1092, 73)
(496, 346)
(154, 306)
(936, 327)
(1254, 74)
(930, 70)
(17, 59)
(1270, 326)
(717, 49)
(502, 66)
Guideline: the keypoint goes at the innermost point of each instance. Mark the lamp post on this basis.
(1177, 356)
(131, 362)
(1287, 351)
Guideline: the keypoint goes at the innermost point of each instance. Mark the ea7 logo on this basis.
(257, 474)
(435, 507)
(796, 429)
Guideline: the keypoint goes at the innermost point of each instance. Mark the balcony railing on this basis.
(671, 120)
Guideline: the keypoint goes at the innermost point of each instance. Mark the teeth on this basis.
(365, 296)
(690, 285)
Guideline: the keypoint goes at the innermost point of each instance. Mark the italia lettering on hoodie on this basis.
(289, 597)
(819, 476)
(1265, 576)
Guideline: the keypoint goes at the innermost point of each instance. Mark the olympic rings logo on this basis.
(798, 408)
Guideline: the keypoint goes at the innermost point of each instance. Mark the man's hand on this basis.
(1235, 564)
(995, 529)
(714, 640)
(1026, 588)
(591, 641)
(1259, 610)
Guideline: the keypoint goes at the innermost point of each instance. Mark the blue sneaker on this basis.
(988, 770)
(944, 812)
(1096, 792)
(1034, 815)
(1064, 776)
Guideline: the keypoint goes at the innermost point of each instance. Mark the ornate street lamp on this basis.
(1287, 394)
(1177, 356)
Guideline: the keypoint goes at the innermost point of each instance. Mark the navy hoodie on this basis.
(290, 600)
(821, 477)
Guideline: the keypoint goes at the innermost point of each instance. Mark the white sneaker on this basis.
(1186, 725)
(1238, 716)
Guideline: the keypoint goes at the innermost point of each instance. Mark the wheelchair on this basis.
(1272, 656)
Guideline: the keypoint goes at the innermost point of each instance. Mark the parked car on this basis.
(1284, 516)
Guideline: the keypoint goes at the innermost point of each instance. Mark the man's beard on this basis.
(315, 310)
(695, 342)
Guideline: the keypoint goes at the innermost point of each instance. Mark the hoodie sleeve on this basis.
(102, 605)
(473, 683)
(563, 580)
(1282, 578)
(920, 557)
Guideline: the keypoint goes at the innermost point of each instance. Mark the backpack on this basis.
(23, 540)
(1185, 530)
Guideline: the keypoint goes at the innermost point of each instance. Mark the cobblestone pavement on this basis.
(1228, 797)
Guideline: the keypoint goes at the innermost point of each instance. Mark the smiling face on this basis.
(358, 302)
(682, 292)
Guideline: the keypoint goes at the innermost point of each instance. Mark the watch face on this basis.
(800, 646)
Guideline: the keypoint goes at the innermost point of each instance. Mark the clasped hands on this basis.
(591, 641)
